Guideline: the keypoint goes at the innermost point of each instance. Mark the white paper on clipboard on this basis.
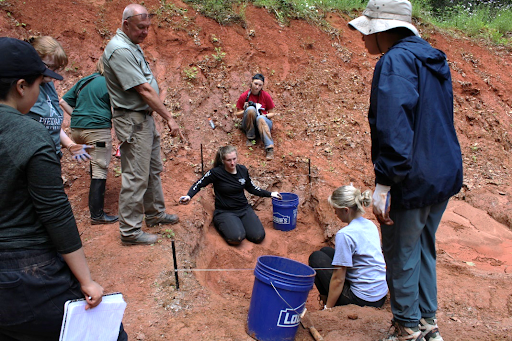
(99, 323)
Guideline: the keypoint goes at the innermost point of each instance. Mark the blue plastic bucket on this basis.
(279, 295)
(285, 211)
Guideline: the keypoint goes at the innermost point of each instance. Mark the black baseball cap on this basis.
(19, 59)
(259, 76)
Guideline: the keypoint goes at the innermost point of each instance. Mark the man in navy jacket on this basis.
(416, 156)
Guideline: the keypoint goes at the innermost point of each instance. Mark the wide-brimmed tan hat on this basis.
(383, 15)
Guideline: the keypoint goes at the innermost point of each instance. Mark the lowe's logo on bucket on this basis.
(281, 219)
(290, 317)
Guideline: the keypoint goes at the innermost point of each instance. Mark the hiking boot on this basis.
(270, 153)
(401, 333)
(142, 239)
(164, 219)
(104, 219)
(429, 329)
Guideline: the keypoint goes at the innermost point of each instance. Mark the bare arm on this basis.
(336, 285)
(93, 291)
(271, 114)
(65, 140)
(150, 96)
(78, 151)
(239, 113)
(67, 108)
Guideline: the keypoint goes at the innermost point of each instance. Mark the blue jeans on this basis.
(409, 248)
(34, 286)
(254, 124)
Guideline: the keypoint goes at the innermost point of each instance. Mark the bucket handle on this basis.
(281, 297)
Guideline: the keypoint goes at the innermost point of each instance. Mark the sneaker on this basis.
(429, 329)
(249, 142)
(164, 219)
(142, 239)
(270, 153)
(401, 333)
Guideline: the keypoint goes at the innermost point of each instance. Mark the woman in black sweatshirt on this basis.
(233, 217)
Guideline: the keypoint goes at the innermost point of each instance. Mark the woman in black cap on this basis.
(42, 263)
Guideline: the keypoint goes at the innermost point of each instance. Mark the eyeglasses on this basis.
(52, 67)
(143, 16)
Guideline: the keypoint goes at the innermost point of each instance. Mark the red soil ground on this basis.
(320, 82)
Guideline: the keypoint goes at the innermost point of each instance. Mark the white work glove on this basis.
(184, 200)
(276, 195)
(382, 204)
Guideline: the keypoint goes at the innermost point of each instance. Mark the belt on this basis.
(147, 112)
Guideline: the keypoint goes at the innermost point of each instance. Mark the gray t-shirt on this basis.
(47, 111)
(126, 67)
(358, 248)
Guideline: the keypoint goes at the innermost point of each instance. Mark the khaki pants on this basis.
(101, 154)
(141, 165)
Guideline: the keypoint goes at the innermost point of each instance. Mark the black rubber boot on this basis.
(96, 202)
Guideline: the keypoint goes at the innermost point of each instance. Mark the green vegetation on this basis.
(488, 19)
(220, 10)
(191, 73)
(219, 55)
(168, 233)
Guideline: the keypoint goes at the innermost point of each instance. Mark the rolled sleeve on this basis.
(127, 69)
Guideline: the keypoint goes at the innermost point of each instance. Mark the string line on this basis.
(212, 270)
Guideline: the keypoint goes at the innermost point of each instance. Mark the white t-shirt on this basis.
(358, 248)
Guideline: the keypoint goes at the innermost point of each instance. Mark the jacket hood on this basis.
(433, 59)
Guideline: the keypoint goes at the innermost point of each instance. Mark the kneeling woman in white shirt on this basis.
(359, 271)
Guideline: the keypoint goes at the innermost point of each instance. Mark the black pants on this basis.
(236, 225)
(34, 286)
(323, 259)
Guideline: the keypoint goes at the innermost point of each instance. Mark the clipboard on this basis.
(99, 323)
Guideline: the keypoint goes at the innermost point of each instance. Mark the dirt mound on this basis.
(320, 82)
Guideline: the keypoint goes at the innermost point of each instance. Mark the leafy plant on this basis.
(191, 73)
(168, 233)
(219, 55)
(220, 10)
(117, 171)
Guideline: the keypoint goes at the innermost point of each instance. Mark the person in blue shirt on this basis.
(359, 272)
(46, 110)
(416, 157)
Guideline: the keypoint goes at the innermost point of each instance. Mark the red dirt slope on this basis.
(320, 83)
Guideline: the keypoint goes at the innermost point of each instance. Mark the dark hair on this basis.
(402, 32)
(219, 157)
(6, 84)
(259, 76)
